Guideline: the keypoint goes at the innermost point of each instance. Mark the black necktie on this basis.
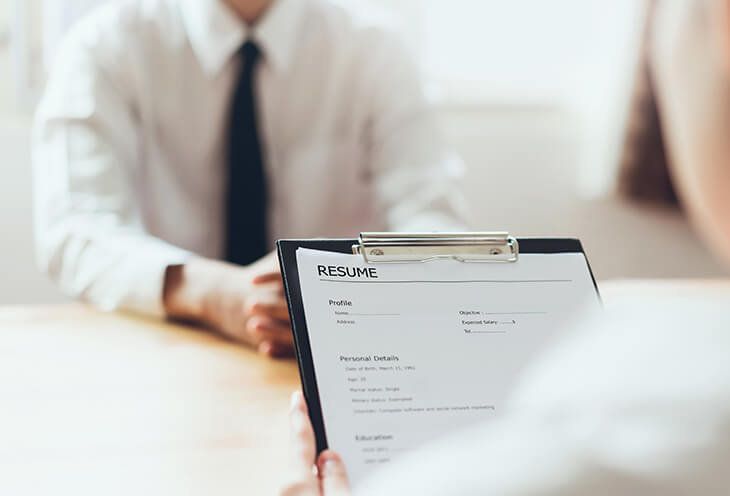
(246, 206)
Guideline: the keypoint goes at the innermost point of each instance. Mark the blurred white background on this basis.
(533, 95)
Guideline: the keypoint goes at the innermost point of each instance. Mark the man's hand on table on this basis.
(246, 304)
(329, 477)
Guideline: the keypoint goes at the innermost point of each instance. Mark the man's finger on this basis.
(264, 328)
(276, 350)
(276, 310)
(332, 474)
(267, 277)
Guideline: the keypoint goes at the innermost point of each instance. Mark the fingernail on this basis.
(265, 348)
(329, 467)
(329, 463)
(294, 404)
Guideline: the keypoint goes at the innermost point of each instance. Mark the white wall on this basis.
(19, 281)
(521, 176)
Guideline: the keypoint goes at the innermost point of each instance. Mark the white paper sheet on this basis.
(405, 352)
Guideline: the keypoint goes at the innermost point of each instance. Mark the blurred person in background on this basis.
(177, 139)
(677, 147)
(635, 400)
(690, 60)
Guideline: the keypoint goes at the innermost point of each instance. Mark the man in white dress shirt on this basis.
(177, 139)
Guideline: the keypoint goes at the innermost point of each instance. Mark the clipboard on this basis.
(472, 247)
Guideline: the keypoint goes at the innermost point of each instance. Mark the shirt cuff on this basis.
(147, 282)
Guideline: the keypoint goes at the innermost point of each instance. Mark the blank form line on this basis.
(374, 314)
(514, 313)
(487, 332)
(370, 281)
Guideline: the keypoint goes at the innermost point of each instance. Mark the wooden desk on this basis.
(104, 404)
(101, 404)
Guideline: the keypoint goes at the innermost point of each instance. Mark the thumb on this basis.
(332, 474)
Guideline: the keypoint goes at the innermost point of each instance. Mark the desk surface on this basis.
(97, 403)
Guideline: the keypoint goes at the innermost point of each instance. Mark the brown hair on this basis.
(644, 170)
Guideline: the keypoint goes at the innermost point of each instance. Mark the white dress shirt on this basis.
(130, 140)
(632, 402)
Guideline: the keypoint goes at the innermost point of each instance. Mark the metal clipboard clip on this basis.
(422, 247)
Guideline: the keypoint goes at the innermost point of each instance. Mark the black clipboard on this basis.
(287, 249)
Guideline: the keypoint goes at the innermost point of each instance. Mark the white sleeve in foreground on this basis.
(633, 402)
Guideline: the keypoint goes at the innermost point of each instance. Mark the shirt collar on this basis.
(216, 32)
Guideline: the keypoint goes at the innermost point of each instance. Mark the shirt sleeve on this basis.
(415, 175)
(86, 160)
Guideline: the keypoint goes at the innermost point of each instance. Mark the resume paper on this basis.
(406, 352)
